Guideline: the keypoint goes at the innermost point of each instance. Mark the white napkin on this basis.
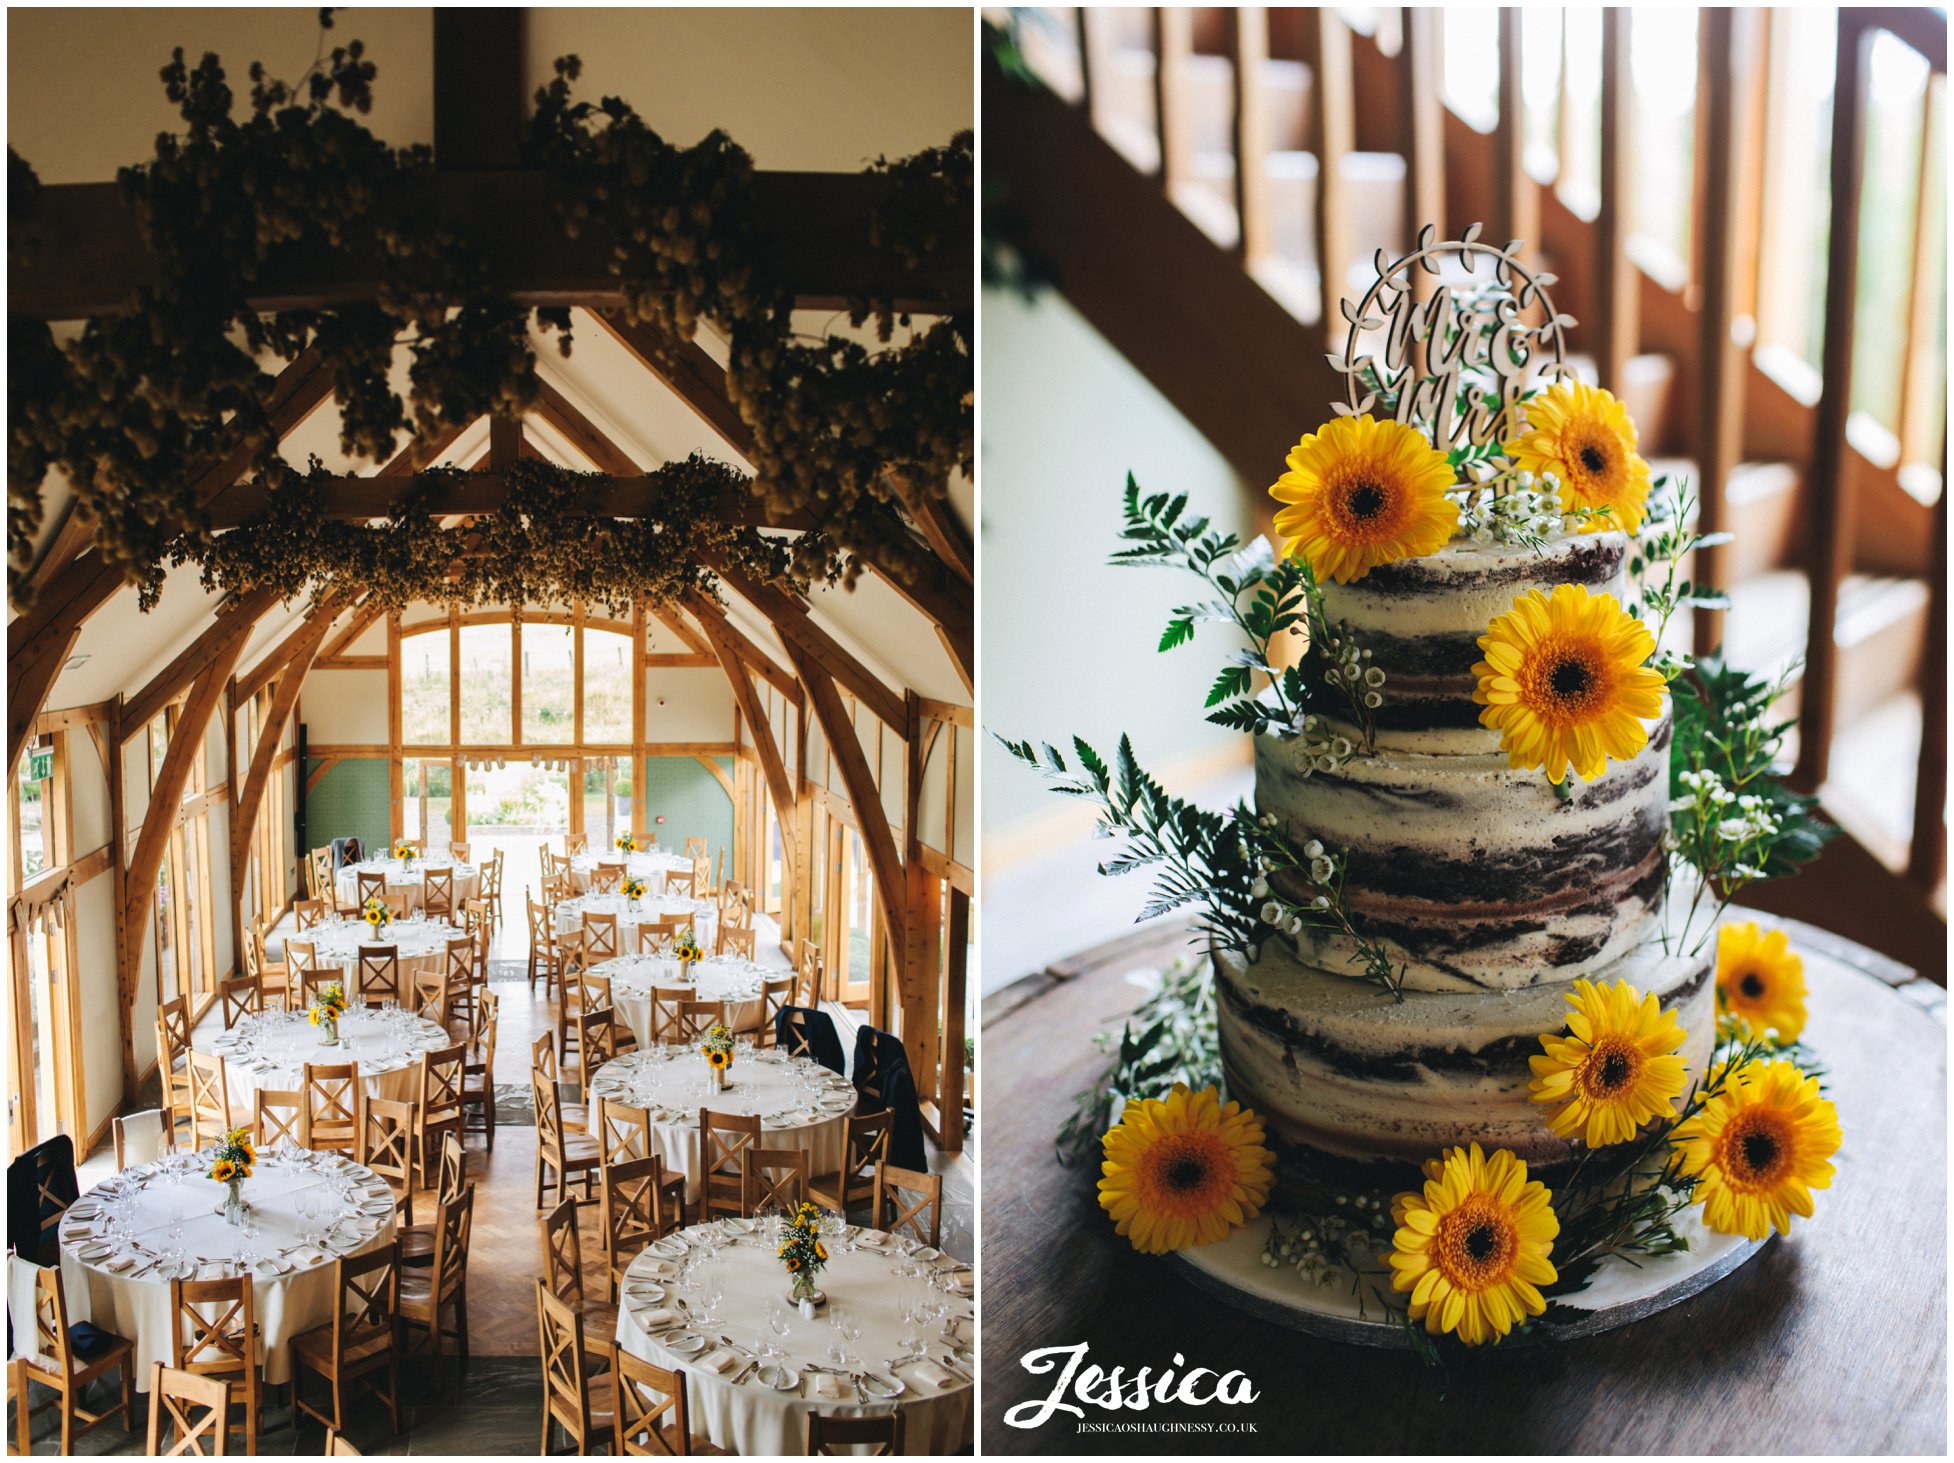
(663, 1269)
(827, 1386)
(723, 1362)
(962, 1284)
(931, 1374)
(660, 1319)
(119, 1263)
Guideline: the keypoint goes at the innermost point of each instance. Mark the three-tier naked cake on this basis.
(1492, 890)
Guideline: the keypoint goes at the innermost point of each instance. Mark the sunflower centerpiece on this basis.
(718, 1047)
(685, 950)
(326, 1009)
(632, 889)
(406, 852)
(231, 1162)
(375, 913)
(803, 1253)
(625, 842)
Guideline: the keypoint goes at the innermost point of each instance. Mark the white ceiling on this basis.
(821, 90)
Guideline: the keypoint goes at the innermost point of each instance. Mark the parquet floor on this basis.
(496, 1406)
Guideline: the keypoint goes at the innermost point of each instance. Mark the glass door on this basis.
(516, 806)
(427, 816)
(606, 800)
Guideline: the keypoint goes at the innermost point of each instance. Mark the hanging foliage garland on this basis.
(143, 401)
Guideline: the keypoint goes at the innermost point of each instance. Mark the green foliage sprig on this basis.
(1730, 818)
(1169, 1037)
(1266, 599)
(542, 544)
(146, 399)
(1664, 541)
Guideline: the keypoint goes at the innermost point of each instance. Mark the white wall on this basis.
(345, 708)
(688, 704)
(98, 1000)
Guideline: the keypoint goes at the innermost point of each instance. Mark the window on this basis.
(486, 685)
(424, 698)
(35, 798)
(428, 817)
(549, 683)
(606, 686)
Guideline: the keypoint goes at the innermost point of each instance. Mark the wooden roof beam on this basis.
(771, 766)
(711, 617)
(235, 620)
(267, 670)
(799, 633)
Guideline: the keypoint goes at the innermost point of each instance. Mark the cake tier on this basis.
(1340, 1067)
(1473, 875)
(1421, 619)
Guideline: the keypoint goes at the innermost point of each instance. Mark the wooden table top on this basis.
(1832, 1340)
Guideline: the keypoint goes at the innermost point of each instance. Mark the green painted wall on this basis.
(351, 800)
(691, 801)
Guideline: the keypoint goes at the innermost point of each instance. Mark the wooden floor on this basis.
(505, 1256)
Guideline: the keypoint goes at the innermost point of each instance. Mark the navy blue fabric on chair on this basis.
(816, 1028)
(345, 851)
(883, 1079)
(41, 1184)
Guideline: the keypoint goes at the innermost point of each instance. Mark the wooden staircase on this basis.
(1188, 217)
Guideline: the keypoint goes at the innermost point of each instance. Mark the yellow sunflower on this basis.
(717, 1057)
(1761, 980)
(1614, 1069)
(223, 1170)
(1758, 1148)
(1583, 436)
(1184, 1170)
(1360, 493)
(1473, 1247)
(792, 1264)
(1563, 682)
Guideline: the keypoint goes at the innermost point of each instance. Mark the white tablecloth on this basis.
(422, 946)
(635, 978)
(702, 912)
(754, 1419)
(651, 865)
(800, 1102)
(411, 881)
(272, 1050)
(293, 1287)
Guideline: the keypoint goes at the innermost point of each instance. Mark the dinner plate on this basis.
(642, 1290)
(97, 1251)
(780, 1378)
(685, 1343)
(882, 1388)
(670, 1249)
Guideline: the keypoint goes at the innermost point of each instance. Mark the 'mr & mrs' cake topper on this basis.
(1458, 352)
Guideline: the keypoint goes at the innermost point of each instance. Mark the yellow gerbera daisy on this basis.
(1614, 1069)
(1758, 1148)
(1761, 980)
(1563, 682)
(1362, 493)
(1473, 1247)
(1583, 436)
(1184, 1170)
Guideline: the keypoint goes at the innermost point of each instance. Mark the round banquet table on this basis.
(408, 879)
(658, 1310)
(422, 946)
(650, 864)
(271, 1051)
(702, 912)
(123, 1280)
(1831, 1340)
(801, 1104)
(636, 981)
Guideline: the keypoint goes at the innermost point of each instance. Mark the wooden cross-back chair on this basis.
(775, 1178)
(241, 996)
(210, 1098)
(575, 844)
(829, 1434)
(658, 934)
(142, 1137)
(332, 1105)
(542, 1064)
(305, 914)
(599, 936)
(279, 1115)
(696, 1018)
(567, 1156)
(172, 1046)
(321, 860)
(702, 884)
(317, 979)
(437, 1101)
(580, 1403)
(459, 978)
(386, 1146)
(623, 1132)
(193, 1408)
(792, 1034)
(864, 1147)
(563, 1274)
(607, 878)
(596, 1043)
(695, 848)
(274, 976)
(629, 1208)
(430, 998)
(776, 994)
(301, 964)
(542, 944)
(908, 1202)
(653, 1417)
(682, 883)
(370, 886)
(438, 892)
(378, 976)
(725, 1140)
(358, 1343)
(459, 853)
(736, 940)
(426, 1294)
(417, 1240)
(214, 1334)
(478, 1073)
(490, 876)
(53, 1363)
(807, 973)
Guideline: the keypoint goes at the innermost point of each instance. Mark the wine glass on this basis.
(837, 1323)
(711, 1297)
(307, 1201)
(779, 1323)
(851, 1329)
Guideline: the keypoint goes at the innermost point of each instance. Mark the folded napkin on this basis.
(119, 1263)
(827, 1386)
(963, 1284)
(723, 1362)
(931, 1375)
(663, 1269)
(661, 1319)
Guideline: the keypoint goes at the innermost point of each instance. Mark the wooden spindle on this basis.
(1250, 27)
(1173, 44)
(1516, 202)
(1731, 48)
(1922, 388)
(1424, 130)
(1334, 126)
(1828, 554)
(1616, 312)
(1927, 854)
(1088, 63)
